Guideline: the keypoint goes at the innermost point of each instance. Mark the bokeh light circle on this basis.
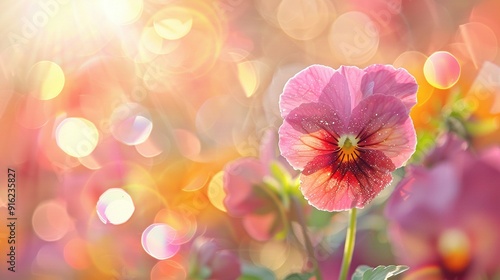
(303, 19)
(50, 221)
(413, 62)
(122, 12)
(115, 206)
(157, 241)
(185, 225)
(353, 38)
(173, 28)
(131, 124)
(32, 112)
(188, 144)
(77, 137)
(481, 42)
(45, 80)
(76, 255)
(216, 192)
(248, 76)
(168, 270)
(191, 33)
(442, 70)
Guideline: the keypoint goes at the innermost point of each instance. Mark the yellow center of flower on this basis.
(454, 248)
(348, 145)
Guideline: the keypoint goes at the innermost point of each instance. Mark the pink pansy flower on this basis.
(447, 146)
(448, 217)
(220, 262)
(347, 130)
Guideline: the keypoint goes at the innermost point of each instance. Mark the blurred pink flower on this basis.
(220, 262)
(448, 216)
(446, 147)
(247, 195)
(347, 130)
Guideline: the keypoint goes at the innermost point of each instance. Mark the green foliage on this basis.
(364, 272)
(299, 276)
(252, 272)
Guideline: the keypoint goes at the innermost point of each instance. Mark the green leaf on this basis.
(252, 272)
(299, 276)
(364, 272)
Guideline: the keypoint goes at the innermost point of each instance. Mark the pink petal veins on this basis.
(343, 185)
(382, 123)
(310, 130)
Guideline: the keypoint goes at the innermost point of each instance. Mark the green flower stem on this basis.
(308, 243)
(349, 244)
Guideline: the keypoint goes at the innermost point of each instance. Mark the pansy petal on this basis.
(343, 185)
(411, 203)
(309, 131)
(316, 83)
(353, 76)
(381, 122)
(380, 79)
(240, 178)
(387, 80)
(447, 146)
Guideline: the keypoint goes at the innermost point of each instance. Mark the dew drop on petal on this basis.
(442, 70)
(115, 206)
(157, 240)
